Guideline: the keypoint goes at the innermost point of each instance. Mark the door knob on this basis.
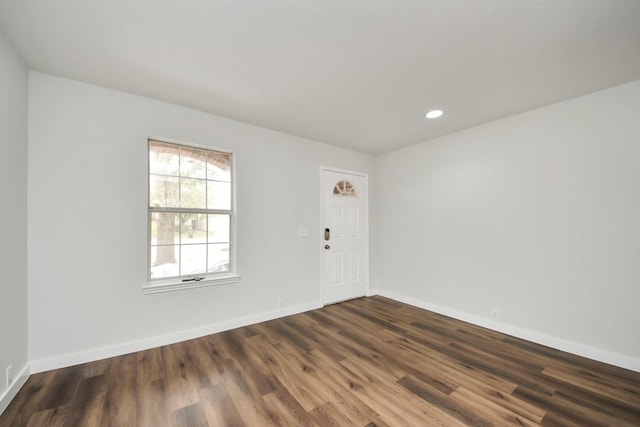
(327, 247)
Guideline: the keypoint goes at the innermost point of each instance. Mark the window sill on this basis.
(179, 285)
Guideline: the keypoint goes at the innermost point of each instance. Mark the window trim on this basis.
(169, 285)
(210, 279)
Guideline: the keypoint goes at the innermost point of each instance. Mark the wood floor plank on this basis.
(340, 381)
(150, 365)
(602, 404)
(287, 408)
(219, 408)
(367, 362)
(292, 372)
(595, 417)
(483, 362)
(402, 407)
(496, 411)
(121, 391)
(29, 400)
(322, 340)
(444, 401)
(451, 373)
(328, 414)
(151, 403)
(63, 387)
(350, 338)
(55, 417)
(88, 406)
(181, 384)
(234, 343)
(595, 383)
(245, 395)
(189, 416)
(556, 420)
(559, 410)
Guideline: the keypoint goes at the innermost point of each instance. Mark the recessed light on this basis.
(434, 114)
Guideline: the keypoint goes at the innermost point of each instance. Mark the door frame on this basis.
(320, 234)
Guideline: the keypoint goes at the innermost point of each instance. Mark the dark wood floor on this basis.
(367, 362)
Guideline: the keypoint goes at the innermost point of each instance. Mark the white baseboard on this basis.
(10, 393)
(594, 353)
(147, 343)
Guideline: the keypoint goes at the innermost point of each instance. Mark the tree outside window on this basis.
(190, 211)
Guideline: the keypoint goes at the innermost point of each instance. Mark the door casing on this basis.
(363, 193)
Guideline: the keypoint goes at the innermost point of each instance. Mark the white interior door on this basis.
(345, 235)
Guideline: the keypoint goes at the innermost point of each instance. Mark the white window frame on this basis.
(207, 279)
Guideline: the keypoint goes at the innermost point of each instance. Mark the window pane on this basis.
(195, 184)
(163, 158)
(163, 191)
(219, 166)
(164, 261)
(218, 195)
(194, 259)
(193, 193)
(218, 257)
(193, 163)
(164, 228)
(194, 228)
(219, 227)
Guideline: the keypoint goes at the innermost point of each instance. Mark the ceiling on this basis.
(359, 73)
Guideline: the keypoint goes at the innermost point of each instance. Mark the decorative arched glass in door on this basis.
(344, 188)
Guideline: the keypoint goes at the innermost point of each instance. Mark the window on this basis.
(344, 188)
(191, 217)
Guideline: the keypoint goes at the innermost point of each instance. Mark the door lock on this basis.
(327, 247)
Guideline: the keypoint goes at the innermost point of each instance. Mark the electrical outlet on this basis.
(280, 301)
(9, 376)
(495, 314)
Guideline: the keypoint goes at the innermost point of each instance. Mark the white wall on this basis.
(536, 215)
(13, 216)
(88, 221)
